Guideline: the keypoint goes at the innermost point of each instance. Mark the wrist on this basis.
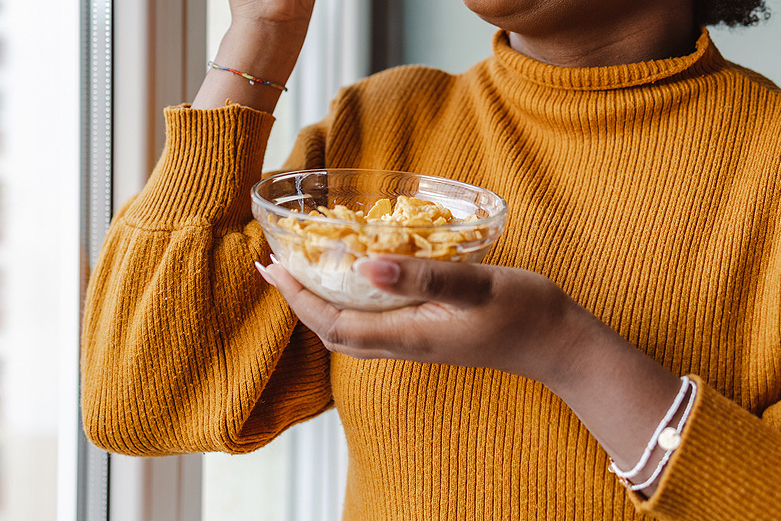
(665, 441)
(617, 391)
(262, 33)
(583, 342)
(286, 14)
(263, 50)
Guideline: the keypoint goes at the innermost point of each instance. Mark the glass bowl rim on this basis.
(479, 223)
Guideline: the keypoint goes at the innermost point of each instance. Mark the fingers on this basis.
(357, 333)
(317, 314)
(458, 284)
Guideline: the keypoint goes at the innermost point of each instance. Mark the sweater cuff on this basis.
(210, 161)
(727, 467)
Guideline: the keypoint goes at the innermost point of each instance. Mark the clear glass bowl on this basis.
(322, 262)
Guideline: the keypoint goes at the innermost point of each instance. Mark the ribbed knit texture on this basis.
(649, 192)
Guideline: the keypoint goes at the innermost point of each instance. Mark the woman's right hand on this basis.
(264, 39)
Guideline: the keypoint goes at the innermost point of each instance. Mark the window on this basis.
(39, 259)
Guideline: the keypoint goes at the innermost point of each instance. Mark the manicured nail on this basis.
(378, 270)
(264, 272)
(273, 259)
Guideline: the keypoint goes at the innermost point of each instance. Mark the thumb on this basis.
(456, 283)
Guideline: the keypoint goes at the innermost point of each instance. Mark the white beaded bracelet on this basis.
(653, 441)
(669, 440)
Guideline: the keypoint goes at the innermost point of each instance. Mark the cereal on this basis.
(412, 230)
(320, 255)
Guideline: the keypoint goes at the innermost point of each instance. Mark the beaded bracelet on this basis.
(652, 442)
(669, 440)
(252, 79)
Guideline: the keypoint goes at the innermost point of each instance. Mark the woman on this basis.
(618, 356)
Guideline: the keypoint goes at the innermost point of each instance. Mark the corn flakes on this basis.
(413, 230)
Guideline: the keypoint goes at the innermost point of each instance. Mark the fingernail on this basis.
(378, 270)
(265, 274)
(273, 258)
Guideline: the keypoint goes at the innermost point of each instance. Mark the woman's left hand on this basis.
(508, 319)
(473, 315)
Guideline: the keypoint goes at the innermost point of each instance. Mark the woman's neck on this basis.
(590, 33)
(582, 51)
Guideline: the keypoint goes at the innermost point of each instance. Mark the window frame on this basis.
(95, 204)
(124, 68)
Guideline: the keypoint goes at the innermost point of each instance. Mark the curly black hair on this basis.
(730, 12)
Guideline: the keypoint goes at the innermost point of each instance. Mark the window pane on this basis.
(39, 267)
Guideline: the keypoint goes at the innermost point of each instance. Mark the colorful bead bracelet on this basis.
(252, 79)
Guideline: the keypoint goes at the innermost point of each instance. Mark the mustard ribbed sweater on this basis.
(649, 192)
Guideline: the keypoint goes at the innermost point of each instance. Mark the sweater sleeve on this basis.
(184, 346)
(728, 466)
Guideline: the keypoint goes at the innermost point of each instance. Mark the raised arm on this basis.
(263, 41)
(183, 349)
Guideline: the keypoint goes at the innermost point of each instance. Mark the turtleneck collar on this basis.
(704, 58)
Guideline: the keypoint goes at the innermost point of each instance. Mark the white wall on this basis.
(444, 34)
(758, 47)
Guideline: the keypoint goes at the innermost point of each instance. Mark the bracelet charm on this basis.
(669, 439)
